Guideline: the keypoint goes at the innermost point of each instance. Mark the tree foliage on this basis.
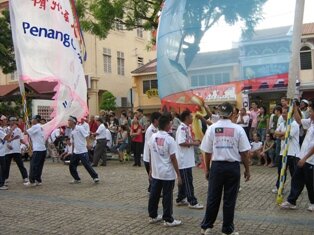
(108, 101)
(99, 17)
(7, 61)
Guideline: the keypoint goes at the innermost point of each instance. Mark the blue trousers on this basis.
(36, 166)
(186, 190)
(2, 170)
(17, 157)
(302, 177)
(224, 177)
(75, 160)
(166, 186)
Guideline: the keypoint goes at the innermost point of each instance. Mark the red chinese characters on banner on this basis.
(56, 6)
(66, 16)
(40, 3)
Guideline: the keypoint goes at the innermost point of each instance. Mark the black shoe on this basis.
(93, 165)
(103, 164)
(134, 164)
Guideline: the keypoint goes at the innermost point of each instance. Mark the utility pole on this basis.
(294, 67)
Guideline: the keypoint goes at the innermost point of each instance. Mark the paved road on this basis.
(118, 205)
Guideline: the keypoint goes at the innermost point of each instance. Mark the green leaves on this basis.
(108, 101)
(7, 61)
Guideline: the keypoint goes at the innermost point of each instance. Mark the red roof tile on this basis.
(7, 89)
(308, 29)
(150, 67)
(43, 87)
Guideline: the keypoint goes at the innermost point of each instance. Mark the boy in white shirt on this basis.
(303, 175)
(36, 134)
(164, 169)
(3, 138)
(13, 150)
(153, 128)
(294, 146)
(66, 155)
(80, 152)
(256, 149)
(186, 161)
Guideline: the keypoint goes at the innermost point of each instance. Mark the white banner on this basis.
(47, 46)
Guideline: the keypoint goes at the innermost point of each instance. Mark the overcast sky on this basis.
(276, 13)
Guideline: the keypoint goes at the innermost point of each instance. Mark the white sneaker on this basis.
(38, 183)
(96, 180)
(25, 180)
(75, 182)
(274, 190)
(288, 205)
(234, 233)
(311, 208)
(196, 206)
(155, 220)
(173, 224)
(207, 231)
(6, 183)
(183, 202)
(29, 184)
(4, 187)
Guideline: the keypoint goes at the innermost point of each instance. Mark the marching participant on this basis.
(36, 134)
(3, 138)
(225, 144)
(13, 149)
(80, 152)
(101, 142)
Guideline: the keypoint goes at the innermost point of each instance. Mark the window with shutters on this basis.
(306, 58)
(107, 60)
(140, 61)
(120, 62)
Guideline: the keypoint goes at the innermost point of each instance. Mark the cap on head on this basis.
(36, 117)
(225, 109)
(3, 117)
(305, 101)
(12, 119)
(73, 119)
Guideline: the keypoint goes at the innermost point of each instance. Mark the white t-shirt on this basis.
(68, 149)
(149, 132)
(36, 133)
(15, 145)
(246, 120)
(2, 142)
(256, 145)
(86, 126)
(162, 146)
(280, 120)
(108, 138)
(185, 155)
(101, 131)
(294, 145)
(79, 135)
(225, 140)
(308, 142)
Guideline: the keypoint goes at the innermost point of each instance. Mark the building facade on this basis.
(267, 53)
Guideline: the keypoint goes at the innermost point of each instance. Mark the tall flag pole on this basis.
(294, 70)
(49, 46)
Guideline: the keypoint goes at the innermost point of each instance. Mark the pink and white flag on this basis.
(48, 47)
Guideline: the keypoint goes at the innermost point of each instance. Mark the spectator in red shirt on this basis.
(93, 124)
(137, 140)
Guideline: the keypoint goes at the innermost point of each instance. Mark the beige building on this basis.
(109, 64)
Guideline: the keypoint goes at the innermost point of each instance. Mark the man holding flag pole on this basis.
(294, 69)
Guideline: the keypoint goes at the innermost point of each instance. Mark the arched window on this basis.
(282, 50)
(267, 51)
(306, 58)
(252, 53)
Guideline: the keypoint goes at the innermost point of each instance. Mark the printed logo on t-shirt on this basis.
(160, 141)
(224, 132)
